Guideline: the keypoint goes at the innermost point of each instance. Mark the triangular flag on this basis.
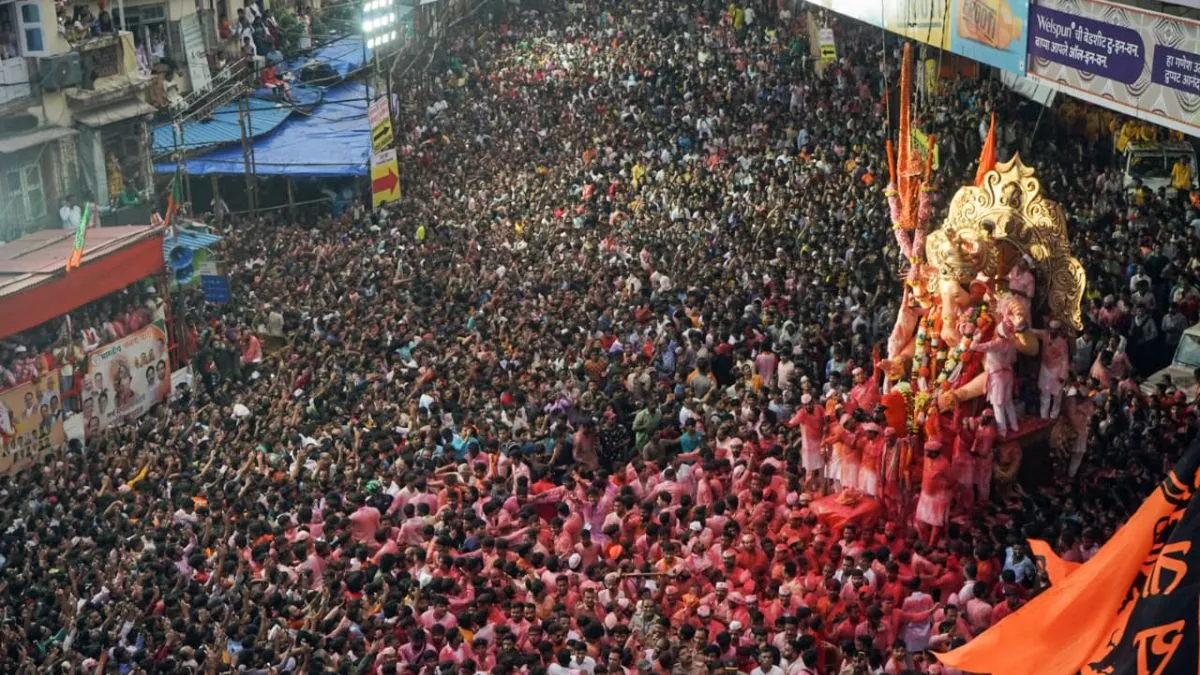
(987, 156)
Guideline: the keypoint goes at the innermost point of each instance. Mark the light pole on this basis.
(380, 33)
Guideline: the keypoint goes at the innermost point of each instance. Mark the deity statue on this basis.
(981, 264)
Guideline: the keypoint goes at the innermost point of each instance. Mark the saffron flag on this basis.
(1133, 609)
(173, 199)
(85, 221)
(1055, 568)
(987, 156)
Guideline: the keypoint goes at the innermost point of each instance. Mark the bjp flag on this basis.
(1133, 609)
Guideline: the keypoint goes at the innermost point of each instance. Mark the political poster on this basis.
(1137, 62)
(126, 378)
(31, 423)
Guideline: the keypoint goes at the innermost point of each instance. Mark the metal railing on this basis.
(226, 86)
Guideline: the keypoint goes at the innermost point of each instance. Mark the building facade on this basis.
(79, 87)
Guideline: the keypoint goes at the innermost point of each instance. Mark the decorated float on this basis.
(994, 281)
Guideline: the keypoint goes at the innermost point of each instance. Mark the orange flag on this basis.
(987, 156)
(1055, 567)
(1081, 618)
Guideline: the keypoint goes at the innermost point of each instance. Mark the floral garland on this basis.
(927, 348)
(929, 353)
(978, 318)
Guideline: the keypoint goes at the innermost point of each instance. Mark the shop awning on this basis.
(11, 144)
(114, 113)
(35, 288)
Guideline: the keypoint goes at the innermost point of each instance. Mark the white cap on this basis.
(574, 560)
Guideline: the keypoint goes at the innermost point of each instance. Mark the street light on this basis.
(379, 23)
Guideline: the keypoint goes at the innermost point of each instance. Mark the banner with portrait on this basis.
(126, 378)
(31, 423)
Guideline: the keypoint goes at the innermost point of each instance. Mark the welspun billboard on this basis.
(1135, 61)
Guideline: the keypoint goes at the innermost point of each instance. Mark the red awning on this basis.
(35, 288)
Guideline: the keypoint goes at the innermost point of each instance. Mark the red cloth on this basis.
(835, 516)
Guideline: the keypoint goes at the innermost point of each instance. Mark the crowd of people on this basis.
(533, 418)
(43, 349)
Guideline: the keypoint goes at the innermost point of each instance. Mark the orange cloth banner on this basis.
(1127, 611)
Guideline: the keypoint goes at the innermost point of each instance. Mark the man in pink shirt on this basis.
(364, 521)
(978, 610)
(439, 614)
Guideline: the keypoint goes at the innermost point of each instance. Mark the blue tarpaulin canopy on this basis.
(333, 140)
(222, 127)
(342, 56)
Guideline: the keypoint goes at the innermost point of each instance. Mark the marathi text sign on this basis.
(126, 378)
(31, 423)
(1140, 63)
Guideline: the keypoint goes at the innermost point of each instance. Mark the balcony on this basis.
(109, 72)
(14, 81)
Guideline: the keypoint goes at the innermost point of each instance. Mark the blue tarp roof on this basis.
(334, 140)
(304, 96)
(265, 117)
(194, 240)
(342, 55)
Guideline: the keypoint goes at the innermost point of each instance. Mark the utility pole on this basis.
(244, 124)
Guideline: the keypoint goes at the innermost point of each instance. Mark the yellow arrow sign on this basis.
(385, 178)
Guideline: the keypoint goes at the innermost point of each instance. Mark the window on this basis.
(33, 40)
(26, 200)
(15, 213)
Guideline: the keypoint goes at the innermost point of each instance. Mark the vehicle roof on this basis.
(1192, 330)
(1173, 146)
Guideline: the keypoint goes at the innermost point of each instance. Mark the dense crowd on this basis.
(533, 418)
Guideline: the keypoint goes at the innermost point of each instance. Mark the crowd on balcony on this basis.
(534, 418)
(25, 357)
